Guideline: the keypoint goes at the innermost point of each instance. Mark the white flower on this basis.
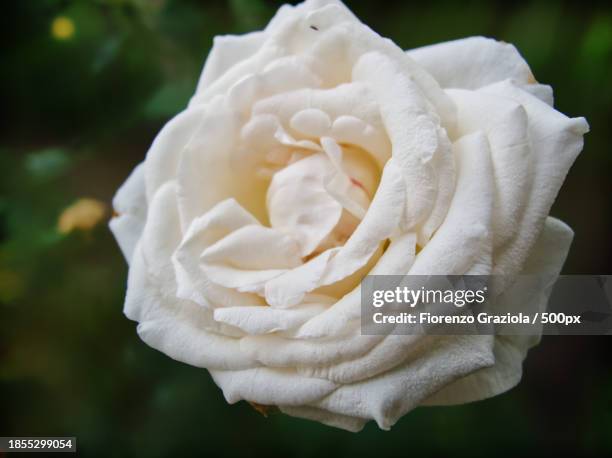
(315, 152)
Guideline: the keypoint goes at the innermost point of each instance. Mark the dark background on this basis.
(80, 110)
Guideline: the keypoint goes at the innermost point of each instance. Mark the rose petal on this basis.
(557, 140)
(193, 284)
(181, 335)
(311, 122)
(505, 124)
(177, 328)
(471, 63)
(270, 386)
(249, 257)
(412, 128)
(265, 320)
(278, 351)
(227, 51)
(387, 397)
(353, 98)
(281, 75)
(546, 258)
(379, 223)
(289, 288)
(206, 174)
(298, 203)
(163, 157)
(130, 202)
(162, 232)
(462, 244)
(396, 260)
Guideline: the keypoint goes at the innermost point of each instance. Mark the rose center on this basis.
(320, 197)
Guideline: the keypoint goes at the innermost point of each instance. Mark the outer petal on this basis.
(162, 233)
(163, 157)
(181, 329)
(185, 332)
(288, 13)
(391, 352)
(556, 141)
(547, 257)
(264, 319)
(505, 124)
(276, 351)
(151, 268)
(387, 397)
(130, 203)
(227, 51)
(271, 386)
(472, 62)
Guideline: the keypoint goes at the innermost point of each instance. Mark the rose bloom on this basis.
(316, 152)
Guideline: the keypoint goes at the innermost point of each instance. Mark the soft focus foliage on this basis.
(86, 84)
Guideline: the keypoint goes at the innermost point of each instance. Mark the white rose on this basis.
(315, 152)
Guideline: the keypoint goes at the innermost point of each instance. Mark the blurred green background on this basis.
(86, 85)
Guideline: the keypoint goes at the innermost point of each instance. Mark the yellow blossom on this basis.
(84, 214)
(62, 28)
